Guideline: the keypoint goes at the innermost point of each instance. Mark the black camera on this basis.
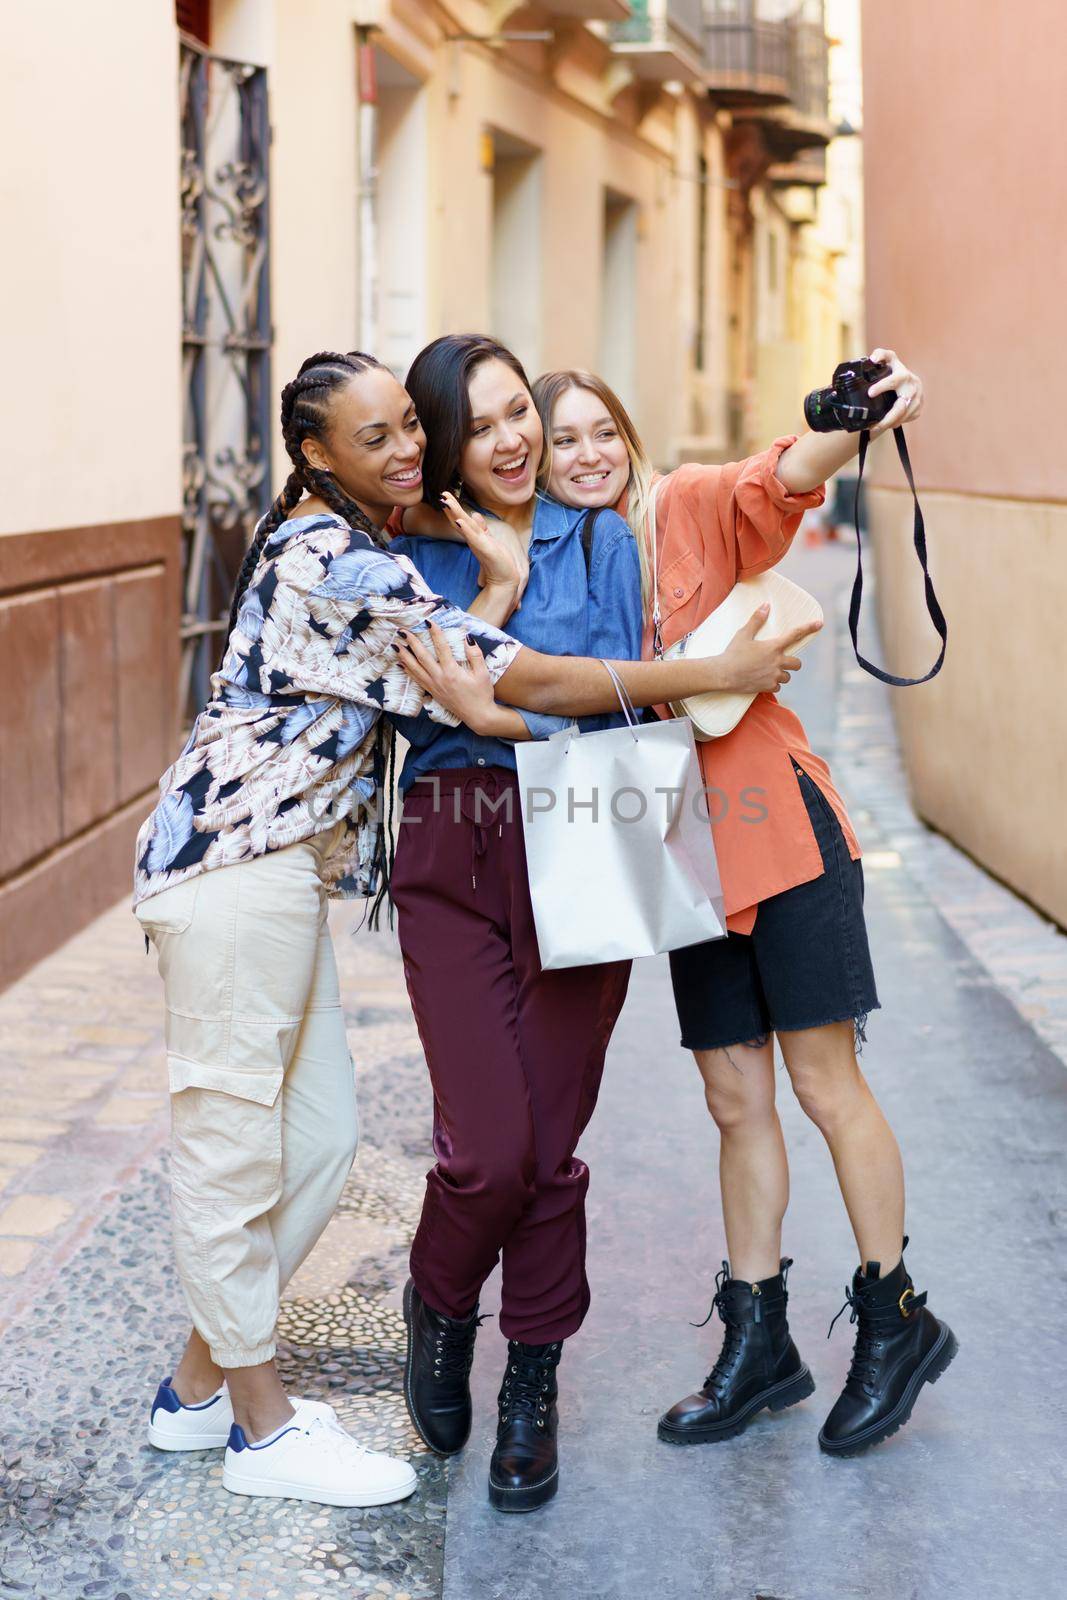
(847, 405)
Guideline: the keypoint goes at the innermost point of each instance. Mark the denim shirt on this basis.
(564, 611)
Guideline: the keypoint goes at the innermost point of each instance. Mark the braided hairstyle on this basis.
(305, 415)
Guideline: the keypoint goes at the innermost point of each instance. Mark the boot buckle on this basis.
(909, 1294)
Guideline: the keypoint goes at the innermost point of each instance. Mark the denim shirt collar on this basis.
(551, 518)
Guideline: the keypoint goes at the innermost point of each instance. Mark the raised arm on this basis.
(817, 456)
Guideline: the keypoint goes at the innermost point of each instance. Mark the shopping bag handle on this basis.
(632, 719)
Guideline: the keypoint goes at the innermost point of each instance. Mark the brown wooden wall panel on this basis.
(89, 649)
(29, 727)
(66, 889)
(144, 692)
(88, 726)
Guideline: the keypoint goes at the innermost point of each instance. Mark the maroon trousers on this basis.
(515, 1057)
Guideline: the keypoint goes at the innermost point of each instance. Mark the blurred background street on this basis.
(712, 203)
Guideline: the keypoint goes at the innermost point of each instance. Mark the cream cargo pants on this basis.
(263, 1102)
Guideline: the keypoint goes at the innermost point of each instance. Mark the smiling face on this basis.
(502, 452)
(373, 443)
(589, 463)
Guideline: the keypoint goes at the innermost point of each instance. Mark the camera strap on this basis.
(937, 616)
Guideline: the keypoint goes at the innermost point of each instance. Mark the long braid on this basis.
(305, 415)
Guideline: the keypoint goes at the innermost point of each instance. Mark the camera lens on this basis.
(819, 412)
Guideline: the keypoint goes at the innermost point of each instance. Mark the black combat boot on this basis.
(900, 1345)
(758, 1366)
(524, 1471)
(437, 1372)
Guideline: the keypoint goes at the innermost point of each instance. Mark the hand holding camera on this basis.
(869, 397)
(876, 393)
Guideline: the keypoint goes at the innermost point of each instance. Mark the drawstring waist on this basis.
(485, 797)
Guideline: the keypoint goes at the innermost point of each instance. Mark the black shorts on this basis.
(805, 963)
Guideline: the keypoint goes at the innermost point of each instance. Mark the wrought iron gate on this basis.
(226, 341)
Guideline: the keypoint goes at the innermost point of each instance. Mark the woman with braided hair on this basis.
(269, 810)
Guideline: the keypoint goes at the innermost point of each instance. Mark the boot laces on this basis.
(719, 1377)
(453, 1348)
(873, 1324)
(524, 1395)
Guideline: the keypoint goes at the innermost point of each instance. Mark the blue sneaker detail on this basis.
(167, 1400)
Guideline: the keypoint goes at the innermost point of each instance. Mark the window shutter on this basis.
(194, 17)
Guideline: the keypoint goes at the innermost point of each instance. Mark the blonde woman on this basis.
(795, 964)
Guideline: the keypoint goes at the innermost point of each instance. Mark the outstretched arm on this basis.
(578, 686)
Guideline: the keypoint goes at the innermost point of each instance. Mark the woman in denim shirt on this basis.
(515, 1054)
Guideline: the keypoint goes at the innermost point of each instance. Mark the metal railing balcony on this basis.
(766, 53)
(662, 39)
(747, 54)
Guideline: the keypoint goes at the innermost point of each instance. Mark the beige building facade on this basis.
(966, 251)
(599, 183)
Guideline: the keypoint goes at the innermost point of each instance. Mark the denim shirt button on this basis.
(481, 761)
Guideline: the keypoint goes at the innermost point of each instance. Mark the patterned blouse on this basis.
(285, 748)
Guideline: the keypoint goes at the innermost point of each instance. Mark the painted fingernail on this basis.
(401, 634)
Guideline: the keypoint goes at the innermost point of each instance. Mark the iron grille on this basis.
(226, 341)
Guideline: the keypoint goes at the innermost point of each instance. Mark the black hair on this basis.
(439, 384)
(305, 415)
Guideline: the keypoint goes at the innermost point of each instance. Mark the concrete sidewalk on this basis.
(967, 1057)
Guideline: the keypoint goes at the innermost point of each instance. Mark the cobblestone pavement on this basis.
(967, 1055)
(94, 1314)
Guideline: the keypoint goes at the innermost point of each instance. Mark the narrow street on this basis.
(969, 1058)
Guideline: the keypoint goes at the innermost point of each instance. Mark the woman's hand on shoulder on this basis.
(908, 387)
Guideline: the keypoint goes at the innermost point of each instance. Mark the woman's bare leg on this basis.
(834, 1093)
(753, 1167)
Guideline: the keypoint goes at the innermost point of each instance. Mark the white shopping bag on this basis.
(618, 842)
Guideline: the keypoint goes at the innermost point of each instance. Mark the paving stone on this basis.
(29, 1127)
(33, 1215)
(124, 1110)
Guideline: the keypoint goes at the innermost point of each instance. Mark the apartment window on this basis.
(394, 321)
(515, 304)
(618, 299)
(194, 17)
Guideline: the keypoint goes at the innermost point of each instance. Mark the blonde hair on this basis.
(640, 501)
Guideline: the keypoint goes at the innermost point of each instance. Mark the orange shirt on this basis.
(713, 526)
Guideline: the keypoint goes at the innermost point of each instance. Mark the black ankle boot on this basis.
(437, 1373)
(524, 1472)
(758, 1366)
(900, 1345)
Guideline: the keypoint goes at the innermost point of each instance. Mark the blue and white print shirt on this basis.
(284, 749)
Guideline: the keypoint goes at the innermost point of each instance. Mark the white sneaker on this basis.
(173, 1426)
(313, 1458)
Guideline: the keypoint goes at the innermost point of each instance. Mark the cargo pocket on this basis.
(226, 1134)
(171, 910)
